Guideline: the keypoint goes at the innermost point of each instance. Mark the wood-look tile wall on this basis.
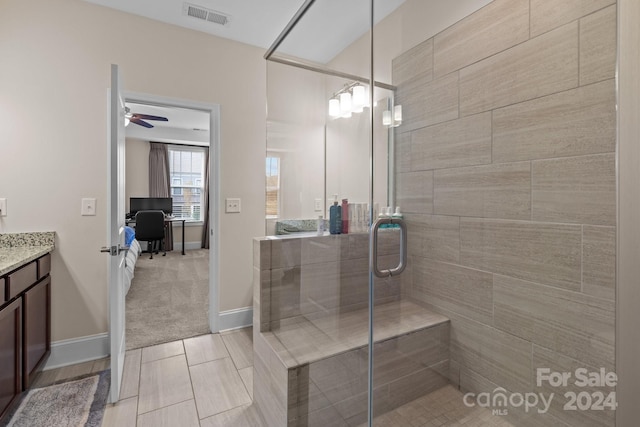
(505, 168)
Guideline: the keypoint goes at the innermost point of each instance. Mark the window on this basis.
(186, 168)
(176, 189)
(273, 187)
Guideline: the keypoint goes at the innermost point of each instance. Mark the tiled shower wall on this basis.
(505, 168)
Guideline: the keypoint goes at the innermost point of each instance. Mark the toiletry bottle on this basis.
(397, 215)
(345, 216)
(335, 217)
(383, 214)
(320, 225)
(386, 213)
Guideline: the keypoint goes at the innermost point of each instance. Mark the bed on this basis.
(131, 257)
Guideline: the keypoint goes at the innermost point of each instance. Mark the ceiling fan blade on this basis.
(149, 117)
(137, 121)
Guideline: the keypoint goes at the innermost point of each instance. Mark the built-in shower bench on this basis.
(311, 349)
(307, 339)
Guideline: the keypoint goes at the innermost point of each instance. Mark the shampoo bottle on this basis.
(345, 216)
(335, 217)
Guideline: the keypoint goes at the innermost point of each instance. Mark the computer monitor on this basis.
(164, 204)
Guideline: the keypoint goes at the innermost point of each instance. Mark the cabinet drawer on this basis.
(21, 279)
(44, 266)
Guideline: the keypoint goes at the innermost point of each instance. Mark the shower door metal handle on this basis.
(373, 241)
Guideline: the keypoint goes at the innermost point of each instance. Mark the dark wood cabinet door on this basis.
(37, 329)
(10, 343)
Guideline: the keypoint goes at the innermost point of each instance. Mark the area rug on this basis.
(73, 403)
(168, 299)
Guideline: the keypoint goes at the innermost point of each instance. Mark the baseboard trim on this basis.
(93, 347)
(187, 246)
(78, 350)
(236, 318)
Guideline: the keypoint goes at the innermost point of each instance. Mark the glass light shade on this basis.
(345, 103)
(334, 107)
(359, 98)
(386, 118)
(126, 121)
(397, 113)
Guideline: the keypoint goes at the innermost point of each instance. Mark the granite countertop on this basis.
(17, 249)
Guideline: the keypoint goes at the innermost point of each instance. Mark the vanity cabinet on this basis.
(10, 351)
(25, 325)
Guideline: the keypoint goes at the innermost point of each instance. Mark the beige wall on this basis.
(137, 170)
(54, 80)
(506, 168)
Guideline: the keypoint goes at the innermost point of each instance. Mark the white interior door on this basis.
(115, 233)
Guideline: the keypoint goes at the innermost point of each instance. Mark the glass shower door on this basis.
(333, 297)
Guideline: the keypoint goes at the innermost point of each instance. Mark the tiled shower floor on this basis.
(443, 407)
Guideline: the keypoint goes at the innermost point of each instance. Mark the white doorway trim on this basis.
(214, 187)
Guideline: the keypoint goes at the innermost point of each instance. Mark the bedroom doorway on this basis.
(180, 289)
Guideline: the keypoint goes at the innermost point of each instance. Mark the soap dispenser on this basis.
(335, 217)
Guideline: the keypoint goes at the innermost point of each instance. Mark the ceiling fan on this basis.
(139, 119)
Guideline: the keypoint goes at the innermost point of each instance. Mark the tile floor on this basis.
(207, 381)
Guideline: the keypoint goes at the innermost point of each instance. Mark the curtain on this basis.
(205, 202)
(160, 182)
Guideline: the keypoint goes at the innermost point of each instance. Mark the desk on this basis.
(172, 220)
(167, 222)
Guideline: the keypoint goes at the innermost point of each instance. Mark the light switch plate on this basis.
(318, 205)
(88, 207)
(3, 207)
(232, 205)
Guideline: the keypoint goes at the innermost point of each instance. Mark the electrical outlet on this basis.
(88, 207)
(232, 206)
(3, 207)
(318, 205)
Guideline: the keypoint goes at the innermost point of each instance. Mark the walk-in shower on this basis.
(492, 125)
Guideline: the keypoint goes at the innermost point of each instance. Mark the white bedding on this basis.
(130, 263)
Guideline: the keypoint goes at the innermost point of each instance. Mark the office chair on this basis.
(150, 228)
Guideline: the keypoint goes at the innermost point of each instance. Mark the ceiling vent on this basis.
(205, 14)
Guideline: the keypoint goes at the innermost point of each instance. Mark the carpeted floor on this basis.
(78, 402)
(168, 299)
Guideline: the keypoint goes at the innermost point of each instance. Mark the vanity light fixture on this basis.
(392, 117)
(352, 98)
